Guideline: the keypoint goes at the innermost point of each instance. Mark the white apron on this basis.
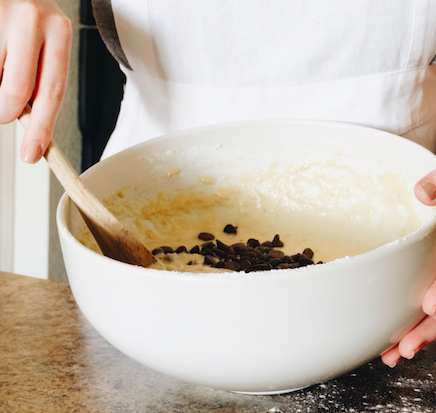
(201, 62)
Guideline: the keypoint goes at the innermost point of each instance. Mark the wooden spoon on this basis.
(113, 238)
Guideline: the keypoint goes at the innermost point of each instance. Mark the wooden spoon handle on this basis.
(115, 240)
(65, 173)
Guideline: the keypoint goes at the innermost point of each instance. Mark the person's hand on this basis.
(35, 44)
(425, 332)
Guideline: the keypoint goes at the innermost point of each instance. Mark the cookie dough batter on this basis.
(331, 208)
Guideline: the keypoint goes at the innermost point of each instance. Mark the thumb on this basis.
(425, 189)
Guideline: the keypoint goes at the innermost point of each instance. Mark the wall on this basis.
(29, 194)
(7, 190)
(67, 136)
(31, 214)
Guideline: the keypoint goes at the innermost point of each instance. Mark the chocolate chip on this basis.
(220, 253)
(276, 241)
(213, 253)
(308, 253)
(230, 229)
(238, 248)
(244, 265)
(207, 246)
(211, 260)
(243, 250)
(220, 245)
(264, 257)
(261, 267)
(285, 266)
(205, 236)
(303, 262)
(276, 254)
(166, 250)
(253, 243)
(264, 250)
(252, 256)
(232, 265)
(231, 251)
(258, 251)
(195, 250)
(275, 262)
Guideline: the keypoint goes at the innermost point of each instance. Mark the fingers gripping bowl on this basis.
(273, 331)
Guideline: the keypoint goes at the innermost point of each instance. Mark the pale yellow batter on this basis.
(330, 208)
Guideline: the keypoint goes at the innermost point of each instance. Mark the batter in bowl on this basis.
(330, 208)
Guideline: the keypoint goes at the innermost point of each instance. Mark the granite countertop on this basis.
(52, 360)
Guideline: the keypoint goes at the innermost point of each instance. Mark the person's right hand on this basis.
(35, 44)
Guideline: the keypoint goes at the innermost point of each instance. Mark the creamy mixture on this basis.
(330, 208)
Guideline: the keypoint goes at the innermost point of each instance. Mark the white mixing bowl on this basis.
(263, 332)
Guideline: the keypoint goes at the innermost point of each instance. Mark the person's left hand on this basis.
(425, 332)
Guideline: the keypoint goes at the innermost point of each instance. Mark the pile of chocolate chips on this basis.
(252, 256)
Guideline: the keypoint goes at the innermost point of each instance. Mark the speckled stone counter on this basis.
(52, 360)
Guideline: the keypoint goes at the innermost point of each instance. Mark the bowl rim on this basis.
(426, 227)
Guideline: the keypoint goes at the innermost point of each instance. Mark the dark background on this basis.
(101, 85)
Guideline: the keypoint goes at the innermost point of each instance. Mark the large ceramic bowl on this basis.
(263, 332)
